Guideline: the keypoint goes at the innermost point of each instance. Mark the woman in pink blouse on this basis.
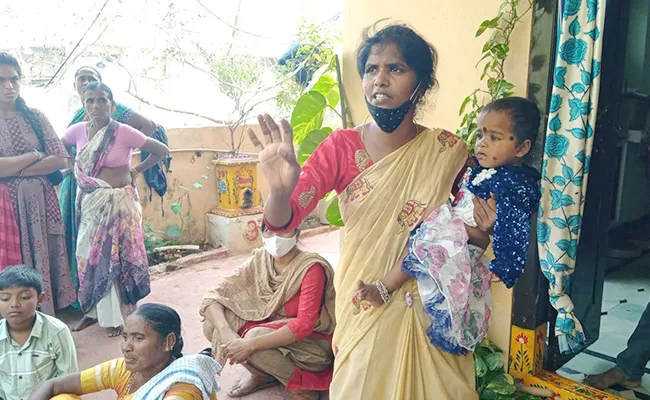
(111, 257)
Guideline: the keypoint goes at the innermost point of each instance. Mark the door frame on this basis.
(532, 333)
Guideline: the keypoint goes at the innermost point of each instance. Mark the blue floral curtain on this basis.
(567, 153)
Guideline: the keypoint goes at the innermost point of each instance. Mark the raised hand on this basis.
(277, 158)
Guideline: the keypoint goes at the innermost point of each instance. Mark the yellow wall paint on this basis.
(450, 26)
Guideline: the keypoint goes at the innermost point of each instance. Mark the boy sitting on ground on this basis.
(34, 347)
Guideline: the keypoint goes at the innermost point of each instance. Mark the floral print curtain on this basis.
(567, 153)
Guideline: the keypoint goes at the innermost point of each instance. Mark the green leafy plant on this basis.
(316, 50)
(154, 238)
(492, 381)
(323, 95)
(494, 54)
(182, 207)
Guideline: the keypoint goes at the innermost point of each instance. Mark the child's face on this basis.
(18, 304)
(496, 143)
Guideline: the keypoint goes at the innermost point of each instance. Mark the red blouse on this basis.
(304, 310)
(337, 161)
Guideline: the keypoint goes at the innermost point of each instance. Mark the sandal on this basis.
(114, 332)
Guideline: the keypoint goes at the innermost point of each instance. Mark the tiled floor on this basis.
(625, 297)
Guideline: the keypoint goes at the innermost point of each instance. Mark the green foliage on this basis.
(310, 142)
(318, 51)
(494, 54)
(237, 73)
(307, 116)
(333, 213)
(153, 238)
(182, 208)
(492, 381)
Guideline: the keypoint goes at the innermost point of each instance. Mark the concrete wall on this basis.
(192, 150)
(450, 26)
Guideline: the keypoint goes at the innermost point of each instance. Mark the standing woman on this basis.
(68, 194)
(111, 257)
(31, 154)
(389, 174)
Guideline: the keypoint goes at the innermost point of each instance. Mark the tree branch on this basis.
(231, 26)
(228, 23)
(83, 51)
(235, 29)
(77, 45)
(266, 89)
(174, 110)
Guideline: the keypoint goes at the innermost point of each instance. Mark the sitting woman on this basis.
(111, 257)
(153, 366)
(275, 316)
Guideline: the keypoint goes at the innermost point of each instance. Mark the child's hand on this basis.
(369, 293)
(494, 278)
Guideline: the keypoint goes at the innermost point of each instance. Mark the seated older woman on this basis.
(275, 316)
(152, 368)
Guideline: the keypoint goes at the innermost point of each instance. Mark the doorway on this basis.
(611, 285)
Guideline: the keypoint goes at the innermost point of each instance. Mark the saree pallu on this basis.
(110, 246)
(68, 196)
(196, 370)
(9, 233)
(186, 378)
(385, 353)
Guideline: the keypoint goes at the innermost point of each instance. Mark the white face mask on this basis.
(279, 246)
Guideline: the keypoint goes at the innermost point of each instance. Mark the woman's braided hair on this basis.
(164, 320)
(21, 107)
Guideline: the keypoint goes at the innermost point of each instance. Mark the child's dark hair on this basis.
(524, 116)
(164, 320)
(21, 276)
(419, 54)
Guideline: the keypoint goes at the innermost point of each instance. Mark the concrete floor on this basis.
(184, 290)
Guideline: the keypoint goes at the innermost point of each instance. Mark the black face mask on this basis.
(388, 119)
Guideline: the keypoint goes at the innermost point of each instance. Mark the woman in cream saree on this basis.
(389, 175)
(377, 227)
